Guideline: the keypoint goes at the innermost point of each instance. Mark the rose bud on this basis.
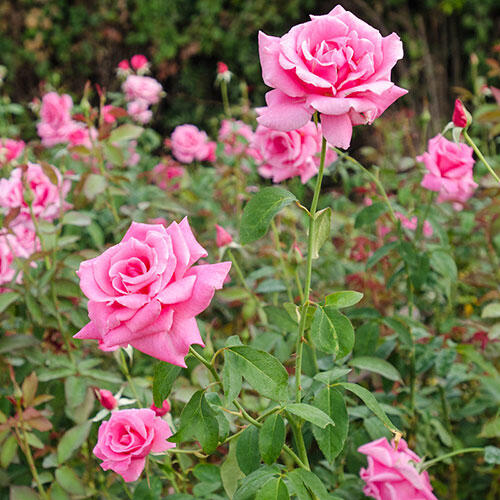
(160, 412)
(223, 237)
(107, 399)
(460, 118)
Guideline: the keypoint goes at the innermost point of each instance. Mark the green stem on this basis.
(225, 98)
(282, 262)
(374, 178)
(425, 465)
(129, 378)
(61, 326)
(480, 155)
(299, 439)
(307, 287)
(239, 273)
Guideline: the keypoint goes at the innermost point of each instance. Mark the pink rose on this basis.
(412, 224)
(236, 136)
(223, 238)
(145, 291)
(139, 110)
(160, 412)
(139, 62)
(107, 113)
(47, 197)
(56, 123)
(459, 115)
(334, 64)
(166, 171)
(288, 154)
(22, 237)
(107, 399)
(449, 171)
(390, 475)
(189, 144)
(142, 87)
(10, 150)
(7, 271)
(127, 438)
(124, 65)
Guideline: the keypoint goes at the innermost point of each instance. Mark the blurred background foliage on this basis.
(60, 43)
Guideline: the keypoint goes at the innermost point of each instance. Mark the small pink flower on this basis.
(427, 229)
(334, 64)
(138, 62)
(7, 271)
(124, 65)
(412, 224)
(107, 113)
(459, 115)
(47, 197)
(144, 88)
(289, 154)
(449, 171)
(189, 144)
(139, 110)
(163, 173)
(160, 412)
(223, 237)
(236, 136)
(10, 150)
(222, 67)
(146, 292)
(128, 437)
(107, 399)
(391, 475)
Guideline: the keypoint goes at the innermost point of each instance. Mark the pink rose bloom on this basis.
(223, 238)
(160, 412)
(127, 438)
(189, 144)
(236, 136)
(139, 62)
(7, 272)
(165, 172)
(288, 154)
(46, 196)
(390, 475)
(139, 110)
(145, 291)
(405, 222)
(56, 123)
(22, 238)
(449, 171)
(334, 64)
(142, 87)
(107, 399)
(10, 150)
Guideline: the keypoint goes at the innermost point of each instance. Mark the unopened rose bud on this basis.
(107, 399)
(139, 62)
(223, 237)
(222, 67)
(460, 118)
(124, 65)
(165, 408)
(223, 73)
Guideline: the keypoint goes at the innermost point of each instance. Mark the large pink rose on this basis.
(46, 197)
(142, 87)
(334, 64)
(390, 475)
(288, 154)
(56, 123)
(128, 437)
(146, 292)
(10, 150)
(449, 170)
(189, 144)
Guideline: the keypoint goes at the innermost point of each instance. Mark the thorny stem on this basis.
(480, 155)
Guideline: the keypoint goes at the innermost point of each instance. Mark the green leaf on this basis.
(346, 298)
(94, 185)
(125, 132)
(376, 365)
(272, 438)
(369, 214)
(311, 414)
(372, 404)
(6, 299)
(492, 310)
(231, 377)
(309, 480)
(279, 317)
(164, 377)
(22, 493)
(8, 451)
(230, 472)
(492, 455)
(114, 154)
(331, 439)
(262, 371)
(274, 489)
(443, 263)
(247, 450)
(321, 230)
(332, 332)
(331, 375)
(69, 481)
(14, 342)
(148, 489)
(198, 421)
(75, 389)
(253, 482)
(71, 441)
(380, 253)
(260, 210)
(34, 309)
(76, 218)
(491, 429)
